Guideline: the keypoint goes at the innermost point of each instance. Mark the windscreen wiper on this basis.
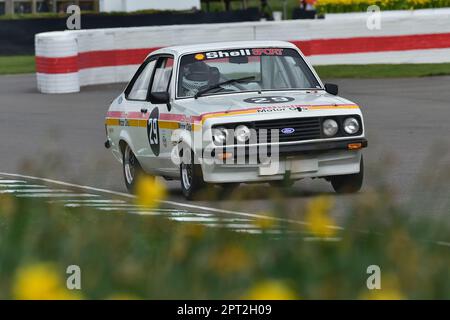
(201, 92)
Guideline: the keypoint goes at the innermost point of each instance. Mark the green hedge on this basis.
(341, 6)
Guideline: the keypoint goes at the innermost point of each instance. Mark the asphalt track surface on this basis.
(407, 122)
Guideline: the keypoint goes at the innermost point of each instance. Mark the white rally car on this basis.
(238, 112)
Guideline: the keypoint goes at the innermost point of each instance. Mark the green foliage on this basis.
(342, 6)
(41, 15)
(149, 257)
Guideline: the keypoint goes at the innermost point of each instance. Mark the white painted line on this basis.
(57, 195)
(33, 191)
(130, 208)
(206, 219)
(166, 212)
(241, 226)
(173, 203)
(252, 231)
(196, 219)
(15, 185)
(233, 225)
(110, 209)
(202, 214)
(123, 206)
(88, 201)
(146, 213)
(11, 181)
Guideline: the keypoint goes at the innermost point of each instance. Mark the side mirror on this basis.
(159, 97)
(332, 88)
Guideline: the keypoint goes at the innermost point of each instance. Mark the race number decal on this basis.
(153, 131)
(274, 99)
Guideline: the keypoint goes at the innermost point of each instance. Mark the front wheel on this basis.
(350, 183)
(191, 178)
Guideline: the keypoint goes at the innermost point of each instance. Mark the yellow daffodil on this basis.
(390, 290)
(149, 191)
(263, 222)
(320, 223)
(41, 282)
(271, 290)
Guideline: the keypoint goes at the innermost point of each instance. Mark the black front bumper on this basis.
(314, 147)
(296, 149)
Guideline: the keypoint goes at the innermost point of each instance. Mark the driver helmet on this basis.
(195, 76)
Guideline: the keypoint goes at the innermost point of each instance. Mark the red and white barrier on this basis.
(67, 60)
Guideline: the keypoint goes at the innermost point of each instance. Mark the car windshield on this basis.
(240, 70)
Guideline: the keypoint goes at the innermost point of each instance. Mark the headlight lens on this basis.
(242, 133)
(330, 127)
(220, 135)
(351, 125)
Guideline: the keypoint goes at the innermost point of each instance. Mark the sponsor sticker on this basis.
(240, 53)
(273, 99)
(199, 56)
(153, 131)
(296, 108)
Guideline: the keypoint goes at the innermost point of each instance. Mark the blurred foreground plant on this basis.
(130, 256)
(41, 282)
(149, 191)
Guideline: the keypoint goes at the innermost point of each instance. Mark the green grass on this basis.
(383, 71)
(26, 64)
(17, 64)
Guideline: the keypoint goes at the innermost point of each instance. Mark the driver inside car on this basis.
(196, 76)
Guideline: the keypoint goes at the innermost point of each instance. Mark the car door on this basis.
(137, 113)
(160, 122)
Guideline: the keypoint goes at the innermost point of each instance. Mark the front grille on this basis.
(305, 129)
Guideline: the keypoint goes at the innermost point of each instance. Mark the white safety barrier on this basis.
(67, 60)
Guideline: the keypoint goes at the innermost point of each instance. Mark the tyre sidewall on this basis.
(197, 183)
(138, 171)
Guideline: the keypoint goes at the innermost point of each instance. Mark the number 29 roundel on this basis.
(153, 131)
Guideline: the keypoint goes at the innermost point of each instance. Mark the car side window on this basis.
(140, 86)
(163, 74)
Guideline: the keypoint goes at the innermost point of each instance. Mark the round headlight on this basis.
(220, 135)
(242, 133)
(330, 127)
(351, 125)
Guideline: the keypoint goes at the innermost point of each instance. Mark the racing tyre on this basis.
(191, 178)
(132, 169)
(350, 183)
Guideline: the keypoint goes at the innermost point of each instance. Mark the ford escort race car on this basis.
(230, 113)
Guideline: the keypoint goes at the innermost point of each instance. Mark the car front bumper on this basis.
(295, 161)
